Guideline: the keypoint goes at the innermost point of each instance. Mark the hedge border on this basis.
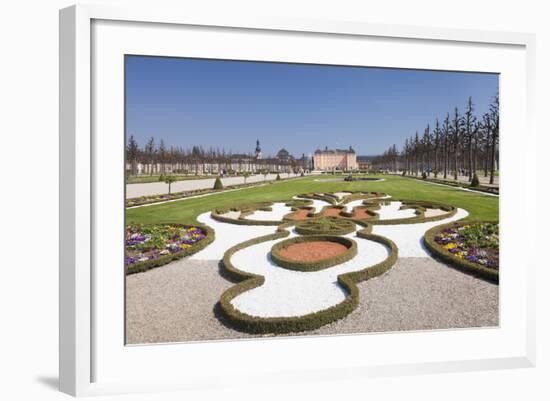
(438, 252)
(322, 264)
(144, 266)
(347, 227)
(319, 196)
(246, 209)
(419, 206)
(356, 195)
(481, 188)
(281, 325)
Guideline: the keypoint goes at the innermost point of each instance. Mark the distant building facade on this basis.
(335, 159)
(364, 163)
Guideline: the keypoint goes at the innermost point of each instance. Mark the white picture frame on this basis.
(80, 342)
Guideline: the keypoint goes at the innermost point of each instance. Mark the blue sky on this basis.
(230, 104)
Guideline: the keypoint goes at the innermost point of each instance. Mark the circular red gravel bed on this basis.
(312, 251)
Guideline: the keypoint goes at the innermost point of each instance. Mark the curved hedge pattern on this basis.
(438, 252)
(246, 210)
(280, 325)
(303, 266)
(325, 225)
(420, 208)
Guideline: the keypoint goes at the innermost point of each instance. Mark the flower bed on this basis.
(149, 246)
(470, 246)
(294, 254)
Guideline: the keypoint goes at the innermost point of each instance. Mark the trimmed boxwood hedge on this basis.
(299, 203)
(441, 253)
(311, 321)
(480, 188)
(246, 210)
(325, 225)
(330, 199)
(304, 266)
(419, 206)
(362, 195)
(140, 267)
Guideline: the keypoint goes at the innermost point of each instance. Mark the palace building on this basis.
(335, 159)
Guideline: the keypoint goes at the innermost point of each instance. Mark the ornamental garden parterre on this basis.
(282, 286)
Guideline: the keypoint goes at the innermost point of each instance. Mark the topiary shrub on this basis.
(404, 173)
(424, 175)
(218, 184)
(278, 178)
(302, 174)
(475, 181)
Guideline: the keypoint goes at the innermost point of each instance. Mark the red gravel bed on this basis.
(361, 213)
(312, 251)
(332, 212)
(299, 215)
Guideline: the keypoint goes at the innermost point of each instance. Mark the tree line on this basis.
(462, 143)
(160, 159)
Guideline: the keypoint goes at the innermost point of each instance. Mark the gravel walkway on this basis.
(158, 188)
(176, 302)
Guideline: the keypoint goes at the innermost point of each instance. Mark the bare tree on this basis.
(456, 129)
(162, 153)
(469, 120)
(494, 113)
(437, 143)
(132, 154)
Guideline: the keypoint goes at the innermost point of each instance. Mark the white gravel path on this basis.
(227, 235)
(348, 207)
(408, 237)
(277, 212)
(391, 211)
(319, 205)
(341, 195)
(293, 293)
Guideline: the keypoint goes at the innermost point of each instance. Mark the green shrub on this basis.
(424, 175)
(218, 184)
(278, 178)
(475, 181)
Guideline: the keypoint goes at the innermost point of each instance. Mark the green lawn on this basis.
(481, 207)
